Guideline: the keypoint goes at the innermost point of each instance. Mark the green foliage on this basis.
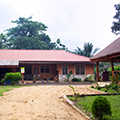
(116, 77)
(107, 87)
(8, 76)
(6, 89)
(112, 88)
(68, 75)
(98, 87)
(89, 79)
(87, 50)
(72, 89)
(29, 34)
(72, 98)
(116, 68)
(101, 107)
(76, 80)
(59, 45)
(3, 41)
(105, 90)
(86, 79)
(92, 86)
(3, 81)
(85, 105)
(13, 77)
(116, 24)
(115, 87)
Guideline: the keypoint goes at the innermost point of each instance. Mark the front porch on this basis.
(40, 72)
(51, 71)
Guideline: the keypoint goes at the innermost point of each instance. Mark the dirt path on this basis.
(39, 103)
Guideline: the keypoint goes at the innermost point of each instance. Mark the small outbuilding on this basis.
(109, 54)
(44, 64)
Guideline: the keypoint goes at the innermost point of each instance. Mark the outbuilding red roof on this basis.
(41, 56)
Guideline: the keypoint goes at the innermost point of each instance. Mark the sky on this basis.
(74, 22)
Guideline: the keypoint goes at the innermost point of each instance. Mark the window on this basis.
(65, 70)
(44, 69)
(28, 69)
(80, 70)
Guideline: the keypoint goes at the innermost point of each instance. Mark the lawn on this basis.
(85, 104)
(6, 89)
(110, 90)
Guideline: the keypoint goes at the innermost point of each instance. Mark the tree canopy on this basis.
(87, 50)
(3, 41)
(59, 45)
(29, 34)
(116, 24)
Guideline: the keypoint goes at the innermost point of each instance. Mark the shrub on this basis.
(3, 80)
(76, 80)
(100, 107)
(92, 86)
(107, 87)
(13, 77)
(68, 75)
(86, 79)
(89, 79)
(115, 87)
(98, 87)
(105, 90)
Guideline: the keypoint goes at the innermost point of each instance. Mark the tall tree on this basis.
(59, 45)
(87, 50)
(29, 34)
(116, 24)
(3, 41)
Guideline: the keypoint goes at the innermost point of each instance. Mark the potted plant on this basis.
(34, 79)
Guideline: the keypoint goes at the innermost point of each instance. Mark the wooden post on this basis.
(112, 69)
(22, 79)
(98, 78)
(36, 72)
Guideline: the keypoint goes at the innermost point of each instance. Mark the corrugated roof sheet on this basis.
(9, 62)
(111, 49)
(41, 55)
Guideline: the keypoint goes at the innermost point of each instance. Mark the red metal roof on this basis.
(41, 55)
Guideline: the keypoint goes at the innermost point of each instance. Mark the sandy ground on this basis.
(40, 103)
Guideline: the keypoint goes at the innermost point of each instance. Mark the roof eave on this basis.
(106, 58)
(55, 62)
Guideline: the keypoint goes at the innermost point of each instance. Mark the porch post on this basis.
(98, 78)
(36, 72)
(112, 69)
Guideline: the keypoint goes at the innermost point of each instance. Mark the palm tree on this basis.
(87, 50)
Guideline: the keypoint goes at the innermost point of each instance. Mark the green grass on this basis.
(6, 89)
(85, 105)
(110, 90)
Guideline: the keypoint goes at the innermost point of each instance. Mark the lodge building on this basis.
(45, 63)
